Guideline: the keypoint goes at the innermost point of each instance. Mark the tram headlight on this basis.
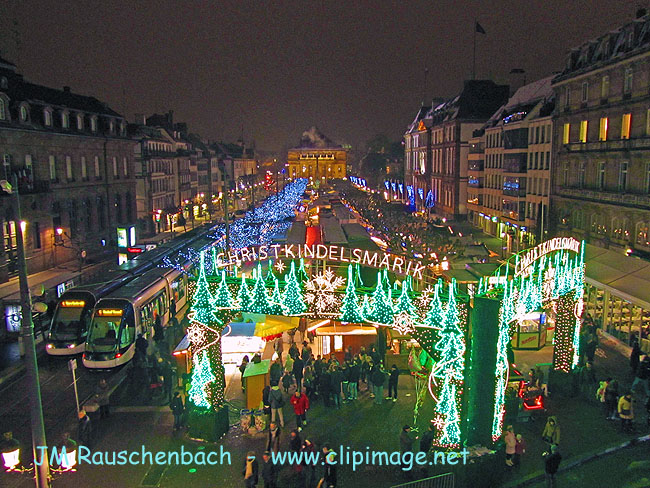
(50, 346)
(11, 459)
(72, 346)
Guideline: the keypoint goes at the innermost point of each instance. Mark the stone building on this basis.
(73, 163)
(317, 157)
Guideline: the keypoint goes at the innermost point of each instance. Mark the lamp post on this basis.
(42, 472)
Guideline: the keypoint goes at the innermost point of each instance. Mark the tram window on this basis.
(104, 331)
(178, 288)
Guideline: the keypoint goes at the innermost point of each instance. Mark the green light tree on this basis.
(435, 316)
(302, 273)
(293, 301)
(381, 312)
(244, 295)
(223, 297)
(270, 277)
(350, 311)
(366, 309)
(276, 300)
(451, 344)
(404, 302)
(203, 300)
(259, 299)
(448, 409)
(201, 376)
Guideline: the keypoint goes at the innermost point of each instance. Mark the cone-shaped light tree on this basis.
(202, 304)
(404, 302)
(366, 309)
(276, 300)
(244, 295)
(350, 311)
(223, 297)
(381, 312)
(259, 299)
(293, 300)
(201, 376)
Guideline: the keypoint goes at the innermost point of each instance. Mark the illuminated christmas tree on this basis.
(244, 295)
(386, 283)
(293, 301)
(302, 273)
(381, 312)
(223, 297)
(202, 305)
(366, 309)
(350, 311)
(358, 282)
(404, 302)
(448, 408)
(435, 315)
(201, 376)
(276, 300)
(452, 343)
(270, 277)
(259, 299)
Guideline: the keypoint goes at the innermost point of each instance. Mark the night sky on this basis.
(354, 68)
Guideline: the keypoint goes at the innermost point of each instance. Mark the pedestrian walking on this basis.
(305, 354)
(308, 381)
(158, 331)
(520, 449)
(642, 376)
(269, 471)
(242, 368)
(393, 379)
(287, 381)
(590, 348)
(178, 409)
(300, 404)
(551, 432)
(84, 429)
(293, 351)
(600, 394)
(336, 378)
(626, 412)
(511, 442)
(141, 346)
(345, 381)
(251, 470)
(278, 346)
(552, 459)
(611, 399)
(378, 380)
(275, 372)
(277, 402)
(635, 357)
(102, 396)
(329, 478)
(298, 367)
(354, 376)
(273, 443)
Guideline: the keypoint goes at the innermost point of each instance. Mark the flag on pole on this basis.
(479, 28)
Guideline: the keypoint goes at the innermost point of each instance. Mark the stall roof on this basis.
(255, 369)
(245, 329)
(625, 276)
(461, 276)
(296, 234)
(332, 232)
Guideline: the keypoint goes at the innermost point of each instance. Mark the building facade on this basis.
(601, 186)
(509, 168)
(317, 157)
(74, 166)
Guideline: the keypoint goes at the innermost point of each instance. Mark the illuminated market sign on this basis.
(380, 260)
(73, 303)
(529, 257)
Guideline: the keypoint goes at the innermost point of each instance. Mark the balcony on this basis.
(613, 145)
(475, 182)
(515, 163)
(477, 148)
(475, 165)
(150, 153)
(622, 199)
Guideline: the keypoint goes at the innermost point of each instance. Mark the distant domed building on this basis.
(317, 157)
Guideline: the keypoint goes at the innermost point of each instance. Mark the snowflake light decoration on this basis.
(280, 266)
(438, 421)
(403, 323)
(320, 292)
(196, 334)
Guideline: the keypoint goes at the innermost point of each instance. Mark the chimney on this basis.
(66, 89)
(517, 79)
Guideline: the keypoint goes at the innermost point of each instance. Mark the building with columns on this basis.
(317, 157)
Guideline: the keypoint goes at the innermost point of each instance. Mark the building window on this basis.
(115, 173)
(47, 117)
(566, 132)
(583, 170)
(602, 132)
(583, 131)
(68, 168)
(604, 87)
(52, 163)
(80, 122)
(111, 126)
(627, 81)
(622, 176)
(96, 166)
(643, 234)
(93, 124)
(84, 169)
(23, 113)
(125, 163)
(585, 92)
(565, 178)
(567, 97)
(547, 163)
(601, 175)
(36, 233)
(626, 123)
(3, 110)
(65, 120)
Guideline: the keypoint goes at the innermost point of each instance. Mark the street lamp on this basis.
(42, 471)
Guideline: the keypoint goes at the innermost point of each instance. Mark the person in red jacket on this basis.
(300, 404)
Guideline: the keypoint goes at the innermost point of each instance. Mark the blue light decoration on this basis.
(430, 202)
(421, 193)
(401, 188)
(394, 186)
(387, 184)
(411, 196)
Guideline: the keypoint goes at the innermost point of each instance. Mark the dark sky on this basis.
(353, 68)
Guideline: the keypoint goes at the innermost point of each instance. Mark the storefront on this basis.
(531, 332)
(335, 338)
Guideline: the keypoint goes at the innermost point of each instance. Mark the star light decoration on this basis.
(280, 266)
(403, 323)
(320, 292)
(438, 421)
(196, 334)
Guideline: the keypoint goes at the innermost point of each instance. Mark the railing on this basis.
(149, 153)
(625, 199)
(475, 165)
(519, 193)
(476, 148)
(446, 480)
(613, 145)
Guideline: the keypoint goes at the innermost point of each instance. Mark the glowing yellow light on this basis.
(109, 312)
(73, 303)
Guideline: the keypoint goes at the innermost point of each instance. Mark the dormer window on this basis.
(111, 126)
(80, 122)
(93, 124)
(4, 84)
(47, 117)
(24, 113)
(122, 128)
(65, 120)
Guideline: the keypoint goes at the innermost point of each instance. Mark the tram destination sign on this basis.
(530, 256)
(380, 260)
